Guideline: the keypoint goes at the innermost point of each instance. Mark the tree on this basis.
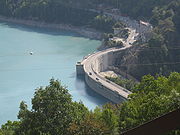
(126, 83)
(90, 125)
(153, 97)
(156, 40)
(103, 23)
(9, 128)
(52, 111)
(102, 121)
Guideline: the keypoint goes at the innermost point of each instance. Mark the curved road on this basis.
(90, 65)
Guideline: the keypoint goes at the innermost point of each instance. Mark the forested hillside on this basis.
(54, 113)
(57, 11)
(46, 10)
(134, 8)
(161, 54)
(163, 49)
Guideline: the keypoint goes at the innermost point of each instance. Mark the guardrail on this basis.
(99, 76)
(117, 89)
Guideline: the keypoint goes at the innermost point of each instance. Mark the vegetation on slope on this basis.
(57, 11)
(54, 113)
(161, 54)
(163, 47)
(126, 83)
(134, 8)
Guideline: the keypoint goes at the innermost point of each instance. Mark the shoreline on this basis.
(82, 31)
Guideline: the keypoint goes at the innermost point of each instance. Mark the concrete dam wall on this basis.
(91, 67)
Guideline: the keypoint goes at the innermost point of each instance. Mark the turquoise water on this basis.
(55, 55)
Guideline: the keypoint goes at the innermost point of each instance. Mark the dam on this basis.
(91, 66)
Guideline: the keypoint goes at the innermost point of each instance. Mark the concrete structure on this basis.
(79, 69)
(92, 65)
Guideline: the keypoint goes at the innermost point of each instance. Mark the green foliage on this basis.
(119, 25)
(52, 11)
(57, 11)
(112, 43)
(89, 126)
(152, 98)
(52, 111)
(103, 23)
(109, 42)
(108, 115)
(156, 40)
(126, 83)
(134, 8)
(175, 132)
(161, 54)
(9, 128)
(103, 121)
(106, 36)
(164, 15)
(165, 37)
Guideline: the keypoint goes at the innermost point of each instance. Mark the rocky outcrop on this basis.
(142, 60)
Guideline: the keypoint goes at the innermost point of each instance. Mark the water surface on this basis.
(55, 55)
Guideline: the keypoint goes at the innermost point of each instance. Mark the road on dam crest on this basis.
(92, 65)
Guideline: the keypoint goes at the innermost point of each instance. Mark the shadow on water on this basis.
(48, 31)
(91, 94)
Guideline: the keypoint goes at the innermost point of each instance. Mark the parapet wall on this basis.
(105, 60)
(99, 62)
(102, 90)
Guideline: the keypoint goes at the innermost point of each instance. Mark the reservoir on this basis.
(55, 54)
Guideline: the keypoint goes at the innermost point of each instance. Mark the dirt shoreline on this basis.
(85, 32)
